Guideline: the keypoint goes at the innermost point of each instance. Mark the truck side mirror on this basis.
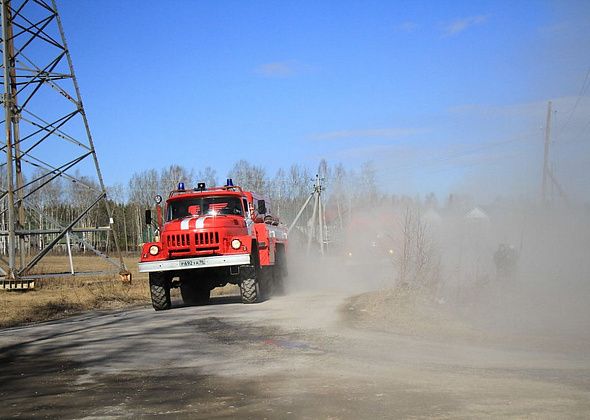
(261, 207)
(148, 217)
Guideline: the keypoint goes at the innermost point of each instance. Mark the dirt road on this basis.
(290, 357)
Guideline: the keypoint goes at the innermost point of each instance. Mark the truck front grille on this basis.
(185, 244)
(178, 240)
(206, 239)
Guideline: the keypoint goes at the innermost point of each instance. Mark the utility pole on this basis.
(323, 228)
(312, 232)
(549, 178)
(546, 169)
(318, 216)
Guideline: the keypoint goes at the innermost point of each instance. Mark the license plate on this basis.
(191, 263)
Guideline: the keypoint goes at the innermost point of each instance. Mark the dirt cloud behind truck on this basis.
(549, 293)
(446, 252)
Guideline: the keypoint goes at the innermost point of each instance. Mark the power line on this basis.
(581, 94)
(578, 138)
(461, 154)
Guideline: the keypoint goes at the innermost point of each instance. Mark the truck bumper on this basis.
(197, 262)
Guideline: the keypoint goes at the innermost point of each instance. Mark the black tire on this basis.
(193, 294)
(267, 281)
(281, 262)
(250, 290)
(279, 281)
(160, 291)
(280, 270)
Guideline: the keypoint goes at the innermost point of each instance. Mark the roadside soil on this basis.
(55, 298)
(490, 319)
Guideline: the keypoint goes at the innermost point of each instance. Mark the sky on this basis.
(441, 96)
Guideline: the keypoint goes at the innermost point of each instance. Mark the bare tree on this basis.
(143, 186)
(249, 176)
(51, 193)
(45, 202)
(171, 176)
(299, 183)
(279, 194)
(417, 262)
(116, 193)
(325, 172)
(368, 183)
(339, 192)
(208, 175)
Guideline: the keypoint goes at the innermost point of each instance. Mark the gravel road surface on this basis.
(293, 356)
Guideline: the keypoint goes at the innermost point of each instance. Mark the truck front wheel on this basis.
(160, 291)
(250, 290)
(250, 287)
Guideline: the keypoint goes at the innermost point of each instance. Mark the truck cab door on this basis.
(248, 217)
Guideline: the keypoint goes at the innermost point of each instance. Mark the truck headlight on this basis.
(154, 249)
(236, 244)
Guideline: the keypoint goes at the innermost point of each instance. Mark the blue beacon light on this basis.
(229, 183)
(181, 186)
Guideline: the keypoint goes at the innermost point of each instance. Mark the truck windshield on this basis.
(204, 206)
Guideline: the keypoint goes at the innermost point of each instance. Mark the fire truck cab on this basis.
(209, 237)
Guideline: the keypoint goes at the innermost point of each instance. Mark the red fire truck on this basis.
(209, 237)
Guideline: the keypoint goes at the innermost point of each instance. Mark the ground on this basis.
(309, 354)
(55, 298)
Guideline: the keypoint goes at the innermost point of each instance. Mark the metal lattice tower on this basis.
(47, 141)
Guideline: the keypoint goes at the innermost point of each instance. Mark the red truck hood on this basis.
(204, 222)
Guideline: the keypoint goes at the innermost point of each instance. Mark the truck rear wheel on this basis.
(160, 291)
(250, 290)
(280, 270)
(281, 261)
(279, 282)
(193, 294)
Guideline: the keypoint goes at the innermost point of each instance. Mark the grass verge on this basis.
(405, 312)
(59, 297)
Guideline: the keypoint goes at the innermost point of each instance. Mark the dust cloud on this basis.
(510, 267)
(549, 289)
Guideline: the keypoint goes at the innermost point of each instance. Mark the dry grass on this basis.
(55, 298)
(406, 311)
(227, 290)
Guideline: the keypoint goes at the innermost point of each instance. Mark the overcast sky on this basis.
(440, 95)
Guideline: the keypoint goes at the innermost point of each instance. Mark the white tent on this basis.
(477, 214)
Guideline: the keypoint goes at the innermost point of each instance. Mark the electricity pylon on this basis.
(47, 139)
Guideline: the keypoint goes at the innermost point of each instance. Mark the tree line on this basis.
(287, 190)
(55, 201)
(345, 192)
(412, 232)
